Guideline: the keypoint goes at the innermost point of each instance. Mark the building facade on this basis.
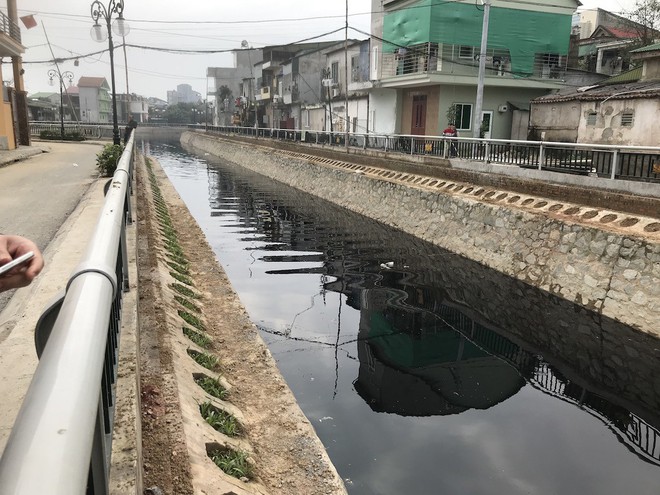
(14, 128)
(425, 58)
(95, 99)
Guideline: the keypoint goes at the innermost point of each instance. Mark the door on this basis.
(418, 127)
(487, 123)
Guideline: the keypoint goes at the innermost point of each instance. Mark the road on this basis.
(38, 194)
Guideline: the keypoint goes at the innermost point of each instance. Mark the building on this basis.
(132, 105)
(183, 94)
(14, 129)
(425, 58)
(621, 110)
(604, 41)
(95, 99)
(358, 86)
(230, 83)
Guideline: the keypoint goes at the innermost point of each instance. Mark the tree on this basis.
(646, 15)
(222, 94)
(178, 114)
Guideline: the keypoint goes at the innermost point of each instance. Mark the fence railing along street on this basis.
(61, 441)
(640, 163)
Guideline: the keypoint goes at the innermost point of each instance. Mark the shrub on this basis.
(68, 136)
(108, 158)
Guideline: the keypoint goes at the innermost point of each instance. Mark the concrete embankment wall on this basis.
(602, 260)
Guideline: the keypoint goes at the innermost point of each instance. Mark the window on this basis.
(334, 71)
(355, 68)
(463, 119)
(465, 51)
(627, 118)
(591, 118)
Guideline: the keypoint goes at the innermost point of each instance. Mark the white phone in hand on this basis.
(16, 262)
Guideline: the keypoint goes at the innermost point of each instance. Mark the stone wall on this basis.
(612, 271)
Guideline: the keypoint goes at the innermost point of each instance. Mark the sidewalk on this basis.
(18, 358)
(21, 153)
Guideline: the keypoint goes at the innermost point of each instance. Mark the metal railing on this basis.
(9, 27)
(88, 130)
(61, 441)
(640, 163)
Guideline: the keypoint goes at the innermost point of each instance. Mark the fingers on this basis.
(12, 247)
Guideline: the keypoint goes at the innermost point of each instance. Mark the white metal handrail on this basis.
(59, 443)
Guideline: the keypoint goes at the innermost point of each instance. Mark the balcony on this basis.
(427, 63)
(264, 94)
(10, 37)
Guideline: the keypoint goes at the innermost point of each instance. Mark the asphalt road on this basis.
(38, 194)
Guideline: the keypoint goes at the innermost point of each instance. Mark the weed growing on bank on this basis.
(233, 463)
(197, 338)
(212, 387)
(220, 420)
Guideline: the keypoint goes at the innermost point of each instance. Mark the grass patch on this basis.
(212, 387)
(187, 304)
(191, 320)
(220, 420)
(183, 270)
(209, 361)
(182, 278)
(184, 291)
(233, 463)
(181, 260)
(197, 338)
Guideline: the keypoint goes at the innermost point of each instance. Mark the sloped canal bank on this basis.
(423, 372)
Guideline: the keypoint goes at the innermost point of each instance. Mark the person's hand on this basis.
(11, 247)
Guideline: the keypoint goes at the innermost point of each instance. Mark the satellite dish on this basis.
(244, 44)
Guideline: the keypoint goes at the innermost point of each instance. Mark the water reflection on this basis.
(352, 310)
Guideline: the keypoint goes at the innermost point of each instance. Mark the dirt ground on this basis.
(287, 456)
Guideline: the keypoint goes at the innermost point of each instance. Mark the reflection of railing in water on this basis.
(639, 436)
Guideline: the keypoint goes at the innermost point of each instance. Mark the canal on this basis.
(423, 372)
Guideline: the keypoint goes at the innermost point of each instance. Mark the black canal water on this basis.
(423, 372)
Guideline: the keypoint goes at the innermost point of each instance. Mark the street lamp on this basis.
(52, 73)
(121, 28)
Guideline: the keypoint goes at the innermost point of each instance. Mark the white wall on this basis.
(608, 128)
(383, 111)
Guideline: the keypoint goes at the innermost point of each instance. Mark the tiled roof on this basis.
(627, 91)
(91, 82)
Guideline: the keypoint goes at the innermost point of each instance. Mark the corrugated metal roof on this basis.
(633, 75)
(648, 48)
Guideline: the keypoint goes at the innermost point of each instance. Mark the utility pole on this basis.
(478, 107)
(346, 122)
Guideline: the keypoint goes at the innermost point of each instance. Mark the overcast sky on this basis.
(213, 25)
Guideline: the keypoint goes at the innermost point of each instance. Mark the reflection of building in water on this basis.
(425, 346)
(420, 356)
(412, 363)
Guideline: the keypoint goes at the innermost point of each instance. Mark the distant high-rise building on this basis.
(183, 94)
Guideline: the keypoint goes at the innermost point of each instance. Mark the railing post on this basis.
(412, 145)
(386, 140)
(541, 155)
(487, 155)
(615, 164)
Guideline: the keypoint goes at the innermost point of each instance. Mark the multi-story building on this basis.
(183, 94)
(236, 80)
(14, 128)
(132, 105)
(95, 99)
(425, 57)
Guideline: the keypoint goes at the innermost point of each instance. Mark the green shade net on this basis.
(524, 33)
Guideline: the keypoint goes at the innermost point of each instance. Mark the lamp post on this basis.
(52, 73)
(120, 27)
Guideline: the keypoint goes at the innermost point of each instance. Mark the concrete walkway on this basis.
(53, 198)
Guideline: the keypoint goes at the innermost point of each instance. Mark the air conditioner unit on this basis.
(503, 108)
(336, 92)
